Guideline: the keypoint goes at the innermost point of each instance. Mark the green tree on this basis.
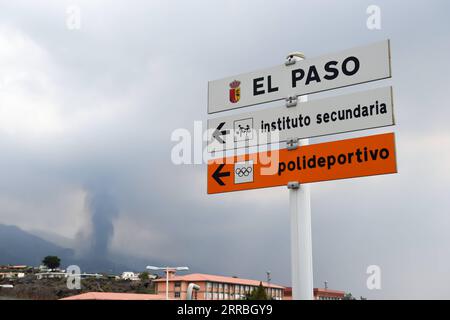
(258, 294)
(51, 262)
(144, 276)
(348, 296)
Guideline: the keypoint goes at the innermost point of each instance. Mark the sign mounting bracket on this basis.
(292, 144)
(293, 185)
(292, 58)
(291, 101)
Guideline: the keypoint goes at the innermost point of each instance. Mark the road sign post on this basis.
(332, 71)
(301, 241)
(300, 217)
(300, 163)
(344, 113)
(342, 159)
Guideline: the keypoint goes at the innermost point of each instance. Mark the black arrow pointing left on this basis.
(218, 174)
(218, 133)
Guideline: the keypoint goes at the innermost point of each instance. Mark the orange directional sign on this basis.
(351, 158)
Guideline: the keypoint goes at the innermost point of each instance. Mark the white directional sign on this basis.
(351, 112)
(328, 72)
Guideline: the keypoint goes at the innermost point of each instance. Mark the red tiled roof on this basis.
(14, 267)
(318, 292)
(115, 296)
(213, 278)
(328, 291)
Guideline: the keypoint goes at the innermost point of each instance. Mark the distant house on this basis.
(319, 294)
(128, 275)
(63, 274)
(215, 287)
(4, 275)
(11, 275)
(43, 268)
(15, 268)
(13, 272)
(51, 275)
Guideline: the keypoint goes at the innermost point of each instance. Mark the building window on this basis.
(177, 294)
(177, 284)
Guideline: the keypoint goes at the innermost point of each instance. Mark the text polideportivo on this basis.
(302, 162)
(286, 123)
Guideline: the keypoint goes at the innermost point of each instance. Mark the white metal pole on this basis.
(301, 240)
(167, 283)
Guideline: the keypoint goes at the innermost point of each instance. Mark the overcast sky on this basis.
(86, 117)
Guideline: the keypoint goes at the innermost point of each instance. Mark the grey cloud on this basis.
(138, 70)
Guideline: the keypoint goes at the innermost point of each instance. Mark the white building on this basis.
(128, 275)
(12, 275)
(63, 274)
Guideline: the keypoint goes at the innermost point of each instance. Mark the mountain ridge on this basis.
(20, 247)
